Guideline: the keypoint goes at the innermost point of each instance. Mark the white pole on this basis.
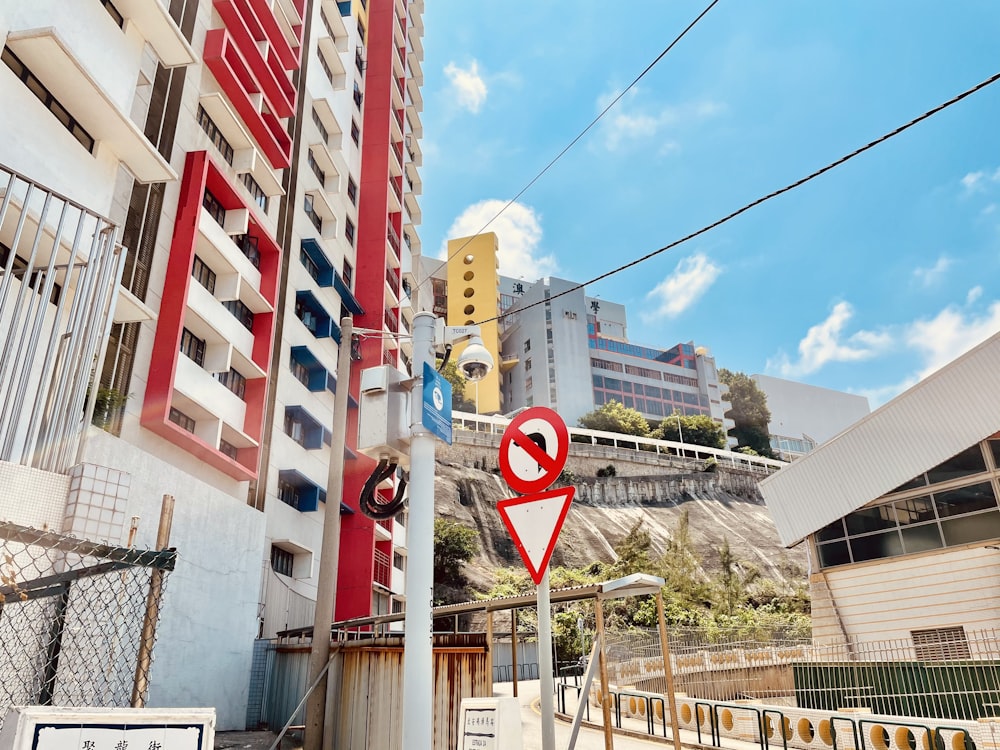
(418, 653)
(545, 685)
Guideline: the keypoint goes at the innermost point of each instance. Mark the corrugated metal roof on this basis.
(948, 411)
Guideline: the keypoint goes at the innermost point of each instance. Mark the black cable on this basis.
(798, 183)
(581, 134)
(369, 504)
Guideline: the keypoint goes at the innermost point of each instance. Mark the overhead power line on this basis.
(798, 183)
(582, 133)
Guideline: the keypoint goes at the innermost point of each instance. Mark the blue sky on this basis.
(864, 280)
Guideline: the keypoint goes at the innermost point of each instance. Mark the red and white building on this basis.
(256, 163)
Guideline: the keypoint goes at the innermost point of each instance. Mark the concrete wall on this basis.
(209, 617)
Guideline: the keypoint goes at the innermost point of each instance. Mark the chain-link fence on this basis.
(77, 619)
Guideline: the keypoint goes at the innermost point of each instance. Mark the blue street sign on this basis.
(436, 412)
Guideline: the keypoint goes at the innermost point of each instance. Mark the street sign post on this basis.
(533, 452)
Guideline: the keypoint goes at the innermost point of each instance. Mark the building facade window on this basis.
(211, 204)
(234, 381)
(282, 561)
(215, 135)
(203, 274)
(36, 87)
(193, 347)
(115, 14)
(255, 190)
(309, 264)
(352, 190)
(320, 126)
(181, 419)
(349, 231)
(314, 218)
(241, 312)
(348, 274)
(355, 133)
(228, 449)
(250, 247)
(315, 167)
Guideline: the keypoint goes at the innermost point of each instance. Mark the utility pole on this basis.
(418, 654)
(326, 592)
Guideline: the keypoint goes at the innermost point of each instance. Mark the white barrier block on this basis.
(59, 728)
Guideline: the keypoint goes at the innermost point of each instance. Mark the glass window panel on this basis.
(870, 519)
(921, 538)
(919, 481)
(965, 500)
(598, 381)
(640, 404)
(612, 384)
(995, 450)
(654, 407)
(626, 386)
(834, 531)
(914, 510)
(969, 461)
(834, 553)
(876, 546)
(975, 528)
(652, 390)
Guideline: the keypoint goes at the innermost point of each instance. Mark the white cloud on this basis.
(978, 182)
(950, 333)
(518, 230)
(629, 122)
(827, 342)
(928, 276)
(689, 280)
(467, 85)
(936, 341)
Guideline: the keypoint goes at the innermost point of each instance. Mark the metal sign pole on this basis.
(545, 686)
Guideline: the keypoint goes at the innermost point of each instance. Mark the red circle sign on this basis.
(533, 450)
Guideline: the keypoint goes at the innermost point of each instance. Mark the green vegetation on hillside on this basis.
(738, 600)
(697, 429)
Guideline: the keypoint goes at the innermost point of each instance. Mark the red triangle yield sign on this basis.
(534, 522)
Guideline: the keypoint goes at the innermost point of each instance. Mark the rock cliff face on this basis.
(720, 505)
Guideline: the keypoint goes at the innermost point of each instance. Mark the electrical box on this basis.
(384, 415)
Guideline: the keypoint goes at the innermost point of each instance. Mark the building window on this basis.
(528, 382)
(288, 493)
(349, 231)
(358, 97)
(203, 274)
(227, 449)
(315, 167)
(307, 206)
(359, 60)
(361, 32)
(352, 190)
(193, 347)
(527, 365)
(214, 208)
(115, 14)
(295, 429)
(348, 274)
(310, 265)
(181, 419)
(45, 97)
(527, 345)
(249, 246)
(282, 561)
(215, 135)
(322, 128)
(256, 191)
(234, 381)
(355, 133)
(325, 66)
(300, 371)
(241, 312)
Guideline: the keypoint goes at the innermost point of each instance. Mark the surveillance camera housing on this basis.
(475, 362)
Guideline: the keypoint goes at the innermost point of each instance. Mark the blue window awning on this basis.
(312, 314)
(309, 493)
(324, 271)
(347, 296)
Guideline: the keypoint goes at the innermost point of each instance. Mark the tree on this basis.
(453, 375)
(454, 545)
(749, 412)
(697, 429)
(615, 417)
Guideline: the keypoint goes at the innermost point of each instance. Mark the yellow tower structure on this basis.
(474, 296)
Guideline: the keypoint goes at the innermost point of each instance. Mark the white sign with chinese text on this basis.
(57, 728)
(490, 724)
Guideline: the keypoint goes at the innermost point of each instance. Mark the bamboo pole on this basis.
(668, 670)
(140, 684)
(609, 742)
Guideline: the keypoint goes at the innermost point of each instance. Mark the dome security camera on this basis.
(475, 362)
